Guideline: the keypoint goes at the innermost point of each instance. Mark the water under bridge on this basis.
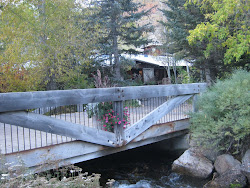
(71, 126)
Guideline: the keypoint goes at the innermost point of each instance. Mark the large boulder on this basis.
(228, 179)
(210, 153)
(226, 162)
(246, 165)
(193, 164)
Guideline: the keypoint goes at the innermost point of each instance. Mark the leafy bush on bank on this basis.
(222, 121)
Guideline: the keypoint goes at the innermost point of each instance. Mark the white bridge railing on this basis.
(105, 116)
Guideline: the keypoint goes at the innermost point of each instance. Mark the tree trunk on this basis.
(201, 73)
(175, 74)
(51, 84)
(188, 73)
(208, 75)
(117, 65)
(169, 75)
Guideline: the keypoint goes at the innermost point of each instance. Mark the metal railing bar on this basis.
(35, 139)
(11, 136)
(29, 139)
(79, 113)
(5, 138)
(23, 139)
(17, 138)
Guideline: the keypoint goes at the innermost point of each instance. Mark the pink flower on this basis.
(119, 122)
(106, 121)
(104, 125)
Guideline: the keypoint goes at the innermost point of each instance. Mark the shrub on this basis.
(222, 121)
(12, 176)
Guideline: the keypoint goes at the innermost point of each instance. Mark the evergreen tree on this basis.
(121, 32)
(182, 18)
(179, 21)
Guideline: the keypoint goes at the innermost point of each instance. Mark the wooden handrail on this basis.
(38, 99)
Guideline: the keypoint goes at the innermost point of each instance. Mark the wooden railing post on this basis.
(195, 109)
(118, 129)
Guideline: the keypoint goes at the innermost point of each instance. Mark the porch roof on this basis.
(161, 61)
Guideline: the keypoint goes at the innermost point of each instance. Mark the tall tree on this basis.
(181, 18)
(45, 38)
(120, 28)
(228, 26)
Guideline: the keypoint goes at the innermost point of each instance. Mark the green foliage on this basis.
(226, 27)
(132, 103)
(184, 77)
(223, 117)
(180, 20)
(236, 185)
(44, 45)
(120, 32)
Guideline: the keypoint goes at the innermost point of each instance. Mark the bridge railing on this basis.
(30, 120)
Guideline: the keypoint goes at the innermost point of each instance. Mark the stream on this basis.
(143, 167)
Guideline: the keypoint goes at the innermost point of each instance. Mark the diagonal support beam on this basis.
(59, 127)
(154, 116)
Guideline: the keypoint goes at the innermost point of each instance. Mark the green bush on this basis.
(223, 119)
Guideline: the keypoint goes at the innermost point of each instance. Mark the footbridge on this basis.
(71, 126)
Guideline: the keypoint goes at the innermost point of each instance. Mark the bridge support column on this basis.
(174, 144)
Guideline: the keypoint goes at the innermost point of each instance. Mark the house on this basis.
(152, 69)
(155, 68)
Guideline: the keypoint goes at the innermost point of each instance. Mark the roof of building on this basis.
(162, 61)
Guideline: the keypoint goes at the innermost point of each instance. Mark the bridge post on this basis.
(118, 129)
(195, 109)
